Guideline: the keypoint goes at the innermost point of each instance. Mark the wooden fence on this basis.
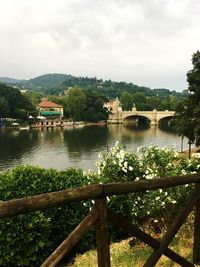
(100, 216)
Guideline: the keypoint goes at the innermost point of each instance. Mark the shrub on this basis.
(145, 163)
(26, 240)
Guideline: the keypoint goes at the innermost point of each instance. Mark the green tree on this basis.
(193, 78)
(153, 102)
(3, 107)
(126, 100)
(15, 101)
(140, 101)
(188, 112)
(76, 100)
(185, 123)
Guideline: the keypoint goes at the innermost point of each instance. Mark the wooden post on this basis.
(173, 229)
(196, 244)
(71, 240)
(102, 233)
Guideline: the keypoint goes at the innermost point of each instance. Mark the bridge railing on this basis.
(101, 215)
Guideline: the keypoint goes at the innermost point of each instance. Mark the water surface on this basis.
(75, 147)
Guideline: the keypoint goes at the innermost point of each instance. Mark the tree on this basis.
(14, 100)
(126, 101)
(76, 101)
(193, 78)
(3, 107)
(188, 112)
(140, 101)
(185, 123)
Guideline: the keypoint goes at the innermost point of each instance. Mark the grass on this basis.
(125, 255)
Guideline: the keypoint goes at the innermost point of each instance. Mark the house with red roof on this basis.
(50, 110)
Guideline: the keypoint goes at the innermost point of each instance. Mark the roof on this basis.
(48, 104)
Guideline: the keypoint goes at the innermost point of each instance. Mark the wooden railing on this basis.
(100, 216)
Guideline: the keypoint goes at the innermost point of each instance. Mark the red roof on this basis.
(48, 104)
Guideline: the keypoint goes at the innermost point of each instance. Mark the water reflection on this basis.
(14, 145)
(75, 147)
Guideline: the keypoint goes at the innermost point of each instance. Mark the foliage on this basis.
(126, 100)
(13, 103)
(76, 101)
(146, 163)
(3, 107)
(94, 110)
(26, 240)
(188, 120)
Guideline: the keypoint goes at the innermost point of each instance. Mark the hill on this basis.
(48, 81)
(9, 80)
(57, 84)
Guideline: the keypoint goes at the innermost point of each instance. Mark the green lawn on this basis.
(124, 255)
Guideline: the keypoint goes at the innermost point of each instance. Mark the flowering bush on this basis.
(146, 163)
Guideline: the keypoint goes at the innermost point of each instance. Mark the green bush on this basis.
(26, 240)
(146, 163)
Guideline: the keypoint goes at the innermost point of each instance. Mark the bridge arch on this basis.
(128, 117)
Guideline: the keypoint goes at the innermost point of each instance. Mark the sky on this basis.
(146, 42)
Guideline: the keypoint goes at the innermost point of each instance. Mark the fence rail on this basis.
(100, 215)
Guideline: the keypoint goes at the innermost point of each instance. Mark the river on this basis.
(61, 148)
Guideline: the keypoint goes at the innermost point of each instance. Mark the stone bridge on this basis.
(154, 116)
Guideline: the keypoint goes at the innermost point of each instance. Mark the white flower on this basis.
(125, 164)
(130, 168)
(149, 176)
(183, 172)
(160, 190)
(124, 170)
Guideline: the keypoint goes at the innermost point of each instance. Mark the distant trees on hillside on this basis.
(84, 105)
(142, 102)
(13, 103)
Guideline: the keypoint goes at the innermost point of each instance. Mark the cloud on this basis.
(145, 42)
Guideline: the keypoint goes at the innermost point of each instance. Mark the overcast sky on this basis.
(147, 42)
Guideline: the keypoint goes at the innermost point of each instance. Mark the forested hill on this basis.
(48, 82)
(57, 84)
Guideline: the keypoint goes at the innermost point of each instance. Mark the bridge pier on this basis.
(154, 123)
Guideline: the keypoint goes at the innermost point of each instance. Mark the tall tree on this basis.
(185, 123)
(76, 101)
(126, 100)
(3, 107)
(193, 78)
(188, 113)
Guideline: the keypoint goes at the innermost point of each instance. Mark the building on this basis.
(50, 110)
(113, 105)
